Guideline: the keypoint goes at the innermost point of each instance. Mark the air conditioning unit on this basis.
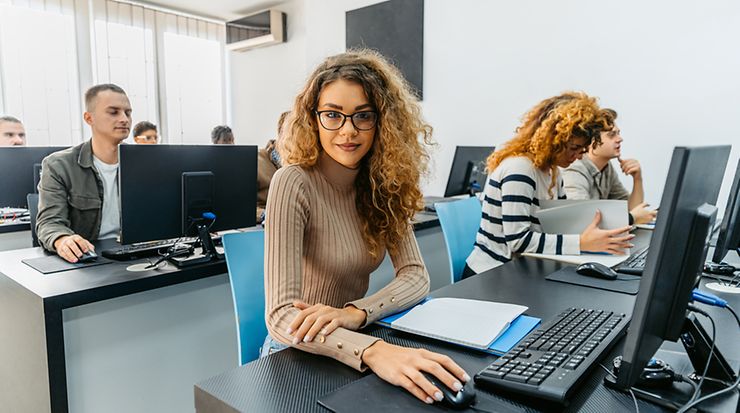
(256, 30)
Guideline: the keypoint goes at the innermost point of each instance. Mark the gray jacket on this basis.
(70, 196)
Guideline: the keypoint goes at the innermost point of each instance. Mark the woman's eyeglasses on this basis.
(334, 120)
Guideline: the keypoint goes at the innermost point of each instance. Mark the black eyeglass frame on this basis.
(344, 119)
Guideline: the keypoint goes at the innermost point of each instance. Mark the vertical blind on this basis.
(171, 66)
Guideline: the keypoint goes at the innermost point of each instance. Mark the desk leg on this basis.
(55, 357)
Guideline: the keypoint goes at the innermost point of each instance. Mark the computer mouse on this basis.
(457, 400)
(89, 256)
(596, 270)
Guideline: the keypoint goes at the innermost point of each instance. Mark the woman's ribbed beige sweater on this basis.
(315, 252)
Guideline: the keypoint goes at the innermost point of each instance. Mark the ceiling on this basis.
(217, 9)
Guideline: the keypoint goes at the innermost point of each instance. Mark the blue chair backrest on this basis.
(245, 257)
(460, 221)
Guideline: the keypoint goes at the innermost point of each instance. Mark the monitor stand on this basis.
(697, 343)
(208, 250)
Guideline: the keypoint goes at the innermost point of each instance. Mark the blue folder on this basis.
(518, 329)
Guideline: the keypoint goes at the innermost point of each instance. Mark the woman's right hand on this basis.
(403, 367)
(613, 241)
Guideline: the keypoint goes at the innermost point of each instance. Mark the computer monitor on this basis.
(729, 231)
(676, 254)
(154, 178)
(17, 172)
(468, 167)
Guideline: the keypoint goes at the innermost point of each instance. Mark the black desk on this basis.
(292, 380)
(31, 306)
(34, 366)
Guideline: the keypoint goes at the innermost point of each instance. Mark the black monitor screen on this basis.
(150, 181)
(17, 172)
(676, 254)
(468, 166)
(729, 231)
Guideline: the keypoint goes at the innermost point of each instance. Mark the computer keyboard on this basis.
(552, 360)
(143, 249)
(635, 264)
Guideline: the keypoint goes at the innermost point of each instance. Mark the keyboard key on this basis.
(516, 377)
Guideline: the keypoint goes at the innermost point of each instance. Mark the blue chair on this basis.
(460, 221)
(245, 257)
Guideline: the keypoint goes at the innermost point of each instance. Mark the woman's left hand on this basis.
(323, 319)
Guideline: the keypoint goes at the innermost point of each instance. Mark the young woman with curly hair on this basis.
(553, 134)
(353, 153)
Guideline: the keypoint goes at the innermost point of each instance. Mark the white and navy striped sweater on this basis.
(509, 226)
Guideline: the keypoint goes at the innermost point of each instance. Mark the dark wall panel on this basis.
(395, 28)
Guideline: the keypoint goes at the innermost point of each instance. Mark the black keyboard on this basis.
(551, 361)
(635, 264)
(142, 250)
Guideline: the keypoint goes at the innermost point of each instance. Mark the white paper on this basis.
(472, 323)
(572, 217)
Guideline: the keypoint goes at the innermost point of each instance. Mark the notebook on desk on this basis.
(486, 326)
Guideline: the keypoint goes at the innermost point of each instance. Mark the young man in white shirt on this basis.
(78, 192)
(594, 176)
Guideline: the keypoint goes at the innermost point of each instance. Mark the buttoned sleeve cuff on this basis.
(571, 244)
(343, 345)
(377, 307)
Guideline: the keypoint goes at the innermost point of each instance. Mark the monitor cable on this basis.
(634, 398)
(176, 249)
(697, 389)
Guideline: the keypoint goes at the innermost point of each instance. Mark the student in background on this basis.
(145, 133)
(353, 153)
(222, 135)
(594, 177)
(12, 132)
(268, 162)
(554, 134)
(78, 192)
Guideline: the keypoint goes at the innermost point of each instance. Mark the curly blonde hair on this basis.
(388, 183)
(547, 128)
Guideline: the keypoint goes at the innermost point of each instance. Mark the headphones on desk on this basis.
(657, 373)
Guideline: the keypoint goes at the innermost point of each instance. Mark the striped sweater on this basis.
(315, 252)
(509, 226)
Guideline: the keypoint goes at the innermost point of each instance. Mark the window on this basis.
(170, 65)
(39, 74)
(193, 88)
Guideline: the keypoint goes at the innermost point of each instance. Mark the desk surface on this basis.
(292, 380)
(85, 285)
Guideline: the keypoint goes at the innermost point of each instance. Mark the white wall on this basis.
(670, 68)
(265, 81)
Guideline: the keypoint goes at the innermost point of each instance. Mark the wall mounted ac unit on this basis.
(256, 30)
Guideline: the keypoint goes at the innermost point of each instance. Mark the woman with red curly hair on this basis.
(553, 134)
(353, 153)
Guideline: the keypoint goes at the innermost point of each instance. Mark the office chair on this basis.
(460, 221)
(33, 209)
(245, 253)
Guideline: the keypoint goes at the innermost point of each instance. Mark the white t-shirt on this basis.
(110, 224)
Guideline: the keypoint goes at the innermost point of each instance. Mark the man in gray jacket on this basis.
(78, 192)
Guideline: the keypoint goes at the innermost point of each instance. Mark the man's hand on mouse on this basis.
(322, 319)
(403, 366)
(71, 247)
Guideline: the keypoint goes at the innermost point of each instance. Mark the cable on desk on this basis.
(634, 398)
(697, 390)
(729, 388)
(731, 310)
